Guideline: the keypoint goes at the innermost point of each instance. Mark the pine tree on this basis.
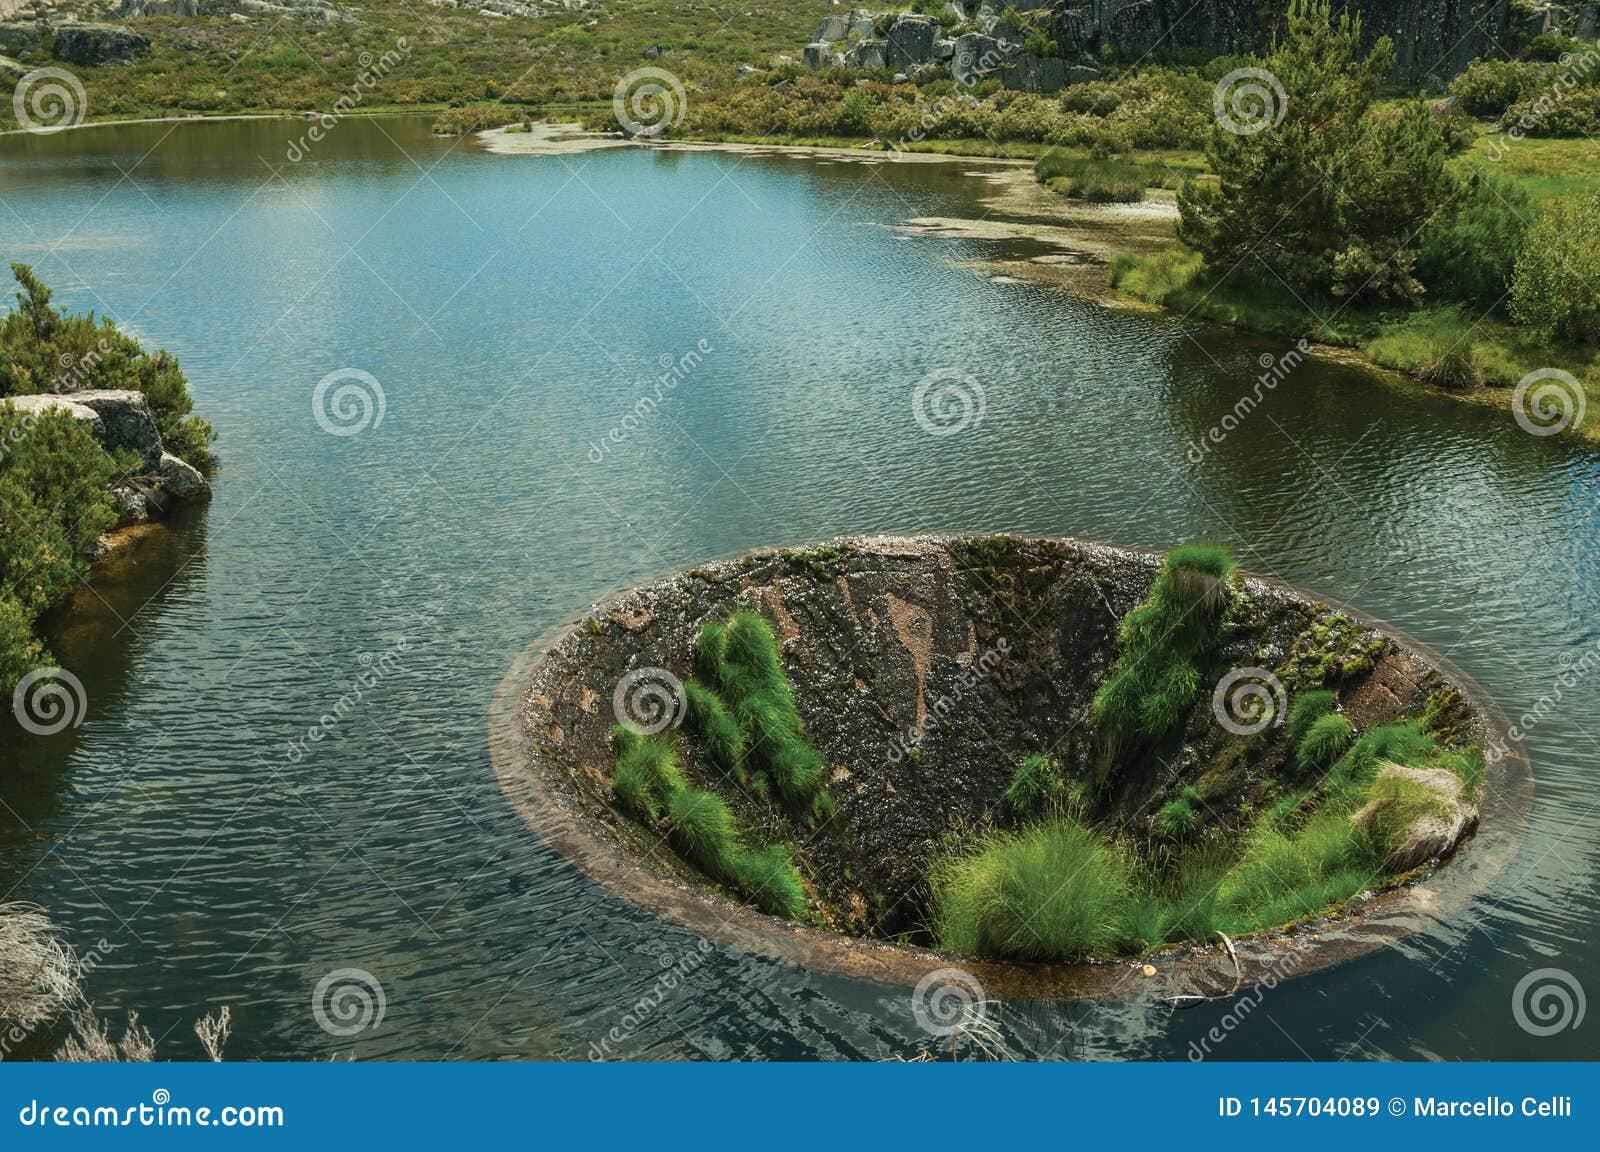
(1320, 191)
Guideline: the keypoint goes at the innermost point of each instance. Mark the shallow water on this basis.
(513, 310)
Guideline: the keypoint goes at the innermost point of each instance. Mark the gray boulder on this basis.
(944, 50)
(862, 27)
(122, 420)
(815, 55)
(18, 38)
(831, 29)
(1082, 74)
(95, 44)
(871, 54)
(36, 406)
(1030, 73)
(180, 480)
(1005, 30)
(127, 423)
(911, 40)
(977, 56)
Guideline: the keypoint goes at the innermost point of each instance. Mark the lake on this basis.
(512, 311)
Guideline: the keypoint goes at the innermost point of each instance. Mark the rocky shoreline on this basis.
(123, 423)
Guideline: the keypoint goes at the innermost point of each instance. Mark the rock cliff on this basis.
(1044, 45)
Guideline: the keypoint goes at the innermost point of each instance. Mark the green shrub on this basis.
(20, 650)
(1324, 742)
(1489, 87)
(1305, 709)
(1036, 786)
(43, 349)
(768, 876)
(1469, 250)
(1552, 291)
(1052, 891)
(53, 506)
(701, 827)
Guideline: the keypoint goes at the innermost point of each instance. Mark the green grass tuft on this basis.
(635, 791)
(1162, 643)
(1036, 786)
(768, 876)
(710, 653)
(703, 830)
(1177, 818)
(720, 732)
(1306, 709)
(646, 774)
(1324, 742)
(1053, 891)
(1403, 743)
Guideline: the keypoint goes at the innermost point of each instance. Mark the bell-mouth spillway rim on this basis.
(1505, 802)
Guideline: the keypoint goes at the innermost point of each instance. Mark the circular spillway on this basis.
(924, 670)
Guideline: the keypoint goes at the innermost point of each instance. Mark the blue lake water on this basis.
(512, 310)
